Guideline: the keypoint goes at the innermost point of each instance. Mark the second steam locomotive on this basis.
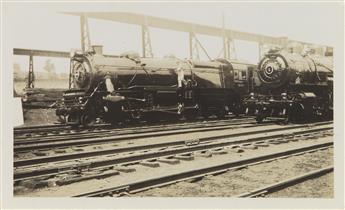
(293, 87)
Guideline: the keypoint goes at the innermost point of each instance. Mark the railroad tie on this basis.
(192, 142)
(274, 141)
(233, 146)
(249, 146)
(295, 138)
(261, 144)
(77, 149)
(319, 135)
(237, 150)
(205, 154)
(87, 177)
(40, 153)
(220, 151)
(35, 184)
(186, 157)
(59, 151)
(283, 140)
(169, 160)
(124, 169)
(152, 164)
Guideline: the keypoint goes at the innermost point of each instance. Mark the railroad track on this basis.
(149, 183)
(55, 143)
(37, 168)
(40, 147)
(96, 151)
(111, 131)
(263, 191)
(63, 129)
(40, 128)
(83, 134)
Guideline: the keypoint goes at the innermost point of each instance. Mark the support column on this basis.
(232, 50)
(226, 40)
(146, 42)
(193, 47)
(85, 34)
(226, 47)
(284, 41)
(190, 45)
(261, 50)
(31, 76)
(70, 82)
(229, 50)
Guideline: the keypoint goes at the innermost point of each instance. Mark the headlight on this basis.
(80, 99)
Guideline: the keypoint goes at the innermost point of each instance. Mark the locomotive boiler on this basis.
(124, 88)
(292, 86)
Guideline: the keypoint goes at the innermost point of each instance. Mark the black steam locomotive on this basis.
(127, 87)
(292, 87)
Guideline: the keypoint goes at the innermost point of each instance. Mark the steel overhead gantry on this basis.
(148, 21)
(192, 29)
(228, 35)
(41, 53)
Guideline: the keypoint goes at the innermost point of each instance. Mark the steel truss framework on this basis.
(148, 21)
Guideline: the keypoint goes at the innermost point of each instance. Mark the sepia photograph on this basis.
(127, 101)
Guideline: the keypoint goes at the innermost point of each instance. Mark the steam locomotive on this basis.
(293, 87)
(124, 88)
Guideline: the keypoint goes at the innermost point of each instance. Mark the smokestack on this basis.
(98, 49)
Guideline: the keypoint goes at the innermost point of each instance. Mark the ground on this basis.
(40, 116)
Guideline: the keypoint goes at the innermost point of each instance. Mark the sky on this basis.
(43, 26)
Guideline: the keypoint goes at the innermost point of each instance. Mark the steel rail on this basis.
(145, 184)
(102, 162)
(286, 183)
